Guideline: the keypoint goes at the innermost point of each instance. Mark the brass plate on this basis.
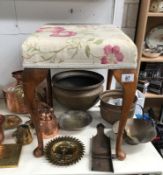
(11, 121)
(64, 151)
(74, 120)
(9, 155)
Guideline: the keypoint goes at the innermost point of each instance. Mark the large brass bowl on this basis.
(77, 89)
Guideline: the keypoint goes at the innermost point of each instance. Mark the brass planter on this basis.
(109, 112)
(77, 89)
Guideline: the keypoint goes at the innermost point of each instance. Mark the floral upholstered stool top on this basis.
(79, 46)
(75, 46)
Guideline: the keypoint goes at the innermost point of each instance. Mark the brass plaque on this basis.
(9, 155)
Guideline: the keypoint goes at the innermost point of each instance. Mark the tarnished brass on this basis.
(23, 135)
(9, 155)
(64, 151)
(139, 131)
(77, 89)
(11, 121)
(74, 120)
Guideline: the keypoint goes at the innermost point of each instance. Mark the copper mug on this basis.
(23, 135)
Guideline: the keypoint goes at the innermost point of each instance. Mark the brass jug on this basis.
(23, 135)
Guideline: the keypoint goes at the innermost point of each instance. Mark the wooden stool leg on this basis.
(31, 79)
(49, 90)
(129, 89)
(109, 79)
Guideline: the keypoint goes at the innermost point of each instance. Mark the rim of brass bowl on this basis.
(98, 79)
(104, 97)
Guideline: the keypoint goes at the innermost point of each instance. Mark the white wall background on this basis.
(18, 18)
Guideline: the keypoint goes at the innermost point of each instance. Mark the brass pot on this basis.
(77, 89)
(110, 112)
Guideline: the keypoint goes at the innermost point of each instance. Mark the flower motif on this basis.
(57, 31)
(63, 34)
(50, 29)
(112, 54)
(104, 60)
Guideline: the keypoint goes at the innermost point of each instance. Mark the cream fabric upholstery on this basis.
(79, 46)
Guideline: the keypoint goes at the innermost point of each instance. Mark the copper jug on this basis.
(14, 94)
(48, 122)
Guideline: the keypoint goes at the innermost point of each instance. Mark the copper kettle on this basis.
(14, 94)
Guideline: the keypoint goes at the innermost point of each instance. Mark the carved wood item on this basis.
(32, 78)
(101, 151)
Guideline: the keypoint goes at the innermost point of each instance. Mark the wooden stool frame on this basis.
(34, 76)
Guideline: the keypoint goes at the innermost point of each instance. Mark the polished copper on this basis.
(14, 94)
(48, 122)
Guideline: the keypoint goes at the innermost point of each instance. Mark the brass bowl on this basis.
(77, 89)
(137, 131)
(112, 112)
(74, 120)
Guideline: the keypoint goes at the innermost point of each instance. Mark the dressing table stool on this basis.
(79, 47)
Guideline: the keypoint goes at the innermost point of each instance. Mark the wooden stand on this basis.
(33, 77)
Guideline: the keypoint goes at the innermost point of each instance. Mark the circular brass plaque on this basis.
(64, 151)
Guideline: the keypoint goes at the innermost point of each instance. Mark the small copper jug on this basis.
(23, 135)
(48, 122)
(14, 94)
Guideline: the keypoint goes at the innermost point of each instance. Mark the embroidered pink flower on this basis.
(104, 60)
(50, 29)
(112, 55)
(57, 31)
(63, 34)
(108, 49)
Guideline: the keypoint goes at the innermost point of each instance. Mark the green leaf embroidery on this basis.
(98, 41)
(87, 51)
